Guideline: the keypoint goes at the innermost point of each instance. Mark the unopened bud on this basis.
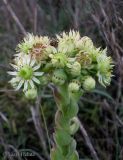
(89, 84)
(31, 93)
(59, 60)
(59, 77)
(85, 42)
(74, 87)
(75, 69)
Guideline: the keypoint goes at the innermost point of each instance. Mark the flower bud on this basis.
(74, 86)
(59, 60)
(44, 80)
(31, 93)
(84, 42)
(87, 41)
(75, 69)
(67, 42)
(104, 63)
(89, 84)
(59, 77)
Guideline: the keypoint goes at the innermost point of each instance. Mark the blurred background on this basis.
(28, 128)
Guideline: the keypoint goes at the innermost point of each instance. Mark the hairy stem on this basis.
(66, 125)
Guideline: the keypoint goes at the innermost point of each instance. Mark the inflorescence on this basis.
(69, 59)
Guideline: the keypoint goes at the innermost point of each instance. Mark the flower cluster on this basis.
(72, 60)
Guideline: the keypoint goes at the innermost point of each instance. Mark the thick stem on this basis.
(66, 125)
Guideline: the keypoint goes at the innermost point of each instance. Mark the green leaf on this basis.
(74, 156)
(62, 138)
(103, 93)
(74, 126)
(56, 154)
(72, 109)
(72, 149)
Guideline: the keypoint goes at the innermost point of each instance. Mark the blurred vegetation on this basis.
(101, 112)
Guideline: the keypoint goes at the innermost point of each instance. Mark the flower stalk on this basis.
(74, 66)
(66, 123)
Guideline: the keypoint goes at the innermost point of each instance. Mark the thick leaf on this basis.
(62, 138)
(56, 154)
(72, 109)
(72, 149)
(103, 93)
(74, 126)
(74, 156)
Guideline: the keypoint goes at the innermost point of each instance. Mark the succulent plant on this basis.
(74, 66)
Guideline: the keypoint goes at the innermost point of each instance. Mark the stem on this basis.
(66, 125)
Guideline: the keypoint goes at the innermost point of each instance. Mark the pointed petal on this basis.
(20, 85)
(32, 63)
(25, 85)
(12, 73)
(36, 80)
(14, 66)
(38, 73)
(17, 55)
(31, 83)
(36, 67)
(14, 80)
(28, 60)
(25, 60)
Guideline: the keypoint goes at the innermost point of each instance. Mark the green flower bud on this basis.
(67, 42)
(89, 84)
(59, 77)
(104, 64)
(74, 86)
(31, 93)
(104, 68)
(44, 80)
(59, 60)
(75, 69)
(87, 41)
(104, 80)
(84, 42)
